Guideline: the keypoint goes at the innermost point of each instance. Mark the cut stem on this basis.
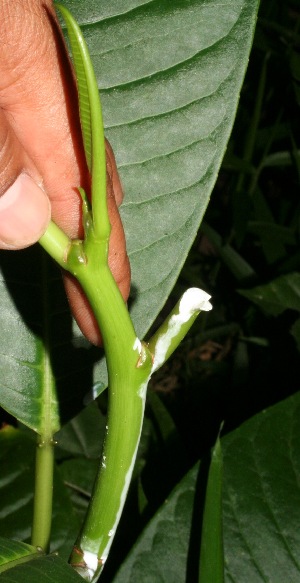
(177, 324)
(56, 243)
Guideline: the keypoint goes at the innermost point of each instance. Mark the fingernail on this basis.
(24, 213)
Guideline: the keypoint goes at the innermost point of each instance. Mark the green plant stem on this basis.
(42, 511)
(42, 514)
(129, 366)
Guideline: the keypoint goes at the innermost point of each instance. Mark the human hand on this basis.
(41, 153)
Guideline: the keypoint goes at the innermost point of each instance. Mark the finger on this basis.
(24, 207)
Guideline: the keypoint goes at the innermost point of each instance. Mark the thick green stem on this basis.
(253, 126)
(42, 514)
(129, 366)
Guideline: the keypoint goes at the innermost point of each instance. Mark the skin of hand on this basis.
(41, 153)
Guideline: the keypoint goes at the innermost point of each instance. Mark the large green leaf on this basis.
(161, 553)
(170, 75)
(51, 569)
(261, 510)
(261, 498)
(13, 552)
(282, 293)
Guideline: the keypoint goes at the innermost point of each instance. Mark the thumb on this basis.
(24, 206)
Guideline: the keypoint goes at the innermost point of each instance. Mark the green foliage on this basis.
(170, 76)
(168, 159)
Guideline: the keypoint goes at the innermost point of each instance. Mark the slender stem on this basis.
(252, 134)
(42, 511)
(253, 126)
(42, 514)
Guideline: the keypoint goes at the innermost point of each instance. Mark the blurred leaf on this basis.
(79, 447)
(257, 340)
(17, 458)
(240, 269)
(278, 159)
(233, 163)
(294, 63)
(273, 248)
(211, 556)
(51, 569)
(163, 421)
(79, 475)
(281, 294)
(272, 232)
(261, 497)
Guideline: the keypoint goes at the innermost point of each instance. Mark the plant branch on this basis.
(129, 366)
